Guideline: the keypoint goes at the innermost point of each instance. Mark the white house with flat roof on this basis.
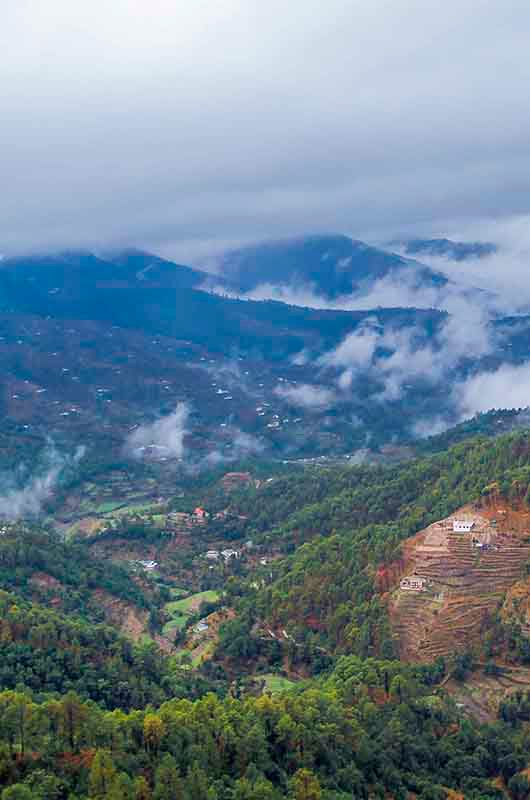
(463, 525)
(413, 583)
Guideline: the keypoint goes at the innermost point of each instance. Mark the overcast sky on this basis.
(183, 126)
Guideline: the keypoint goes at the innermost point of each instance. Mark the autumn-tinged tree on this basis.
(154, 731)
(306, 786)
(102, 776)
(141, 789)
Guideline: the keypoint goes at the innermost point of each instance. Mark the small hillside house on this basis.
(201, 626)
(228, 554)
(149, 566)
(413, 583)
(463, 525)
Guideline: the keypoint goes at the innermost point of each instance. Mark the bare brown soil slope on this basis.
(130, 621)
(464, 578)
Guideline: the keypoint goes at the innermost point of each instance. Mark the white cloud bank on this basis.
(506, 387)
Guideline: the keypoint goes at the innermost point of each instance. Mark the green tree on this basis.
(102, 776)
(306, 785)
(18, 792)
(168, 785)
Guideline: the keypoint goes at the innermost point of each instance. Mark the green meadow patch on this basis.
(181, 610)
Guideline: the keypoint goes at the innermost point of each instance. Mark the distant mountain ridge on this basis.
(446, 248)
(332, 265)
(80, 269)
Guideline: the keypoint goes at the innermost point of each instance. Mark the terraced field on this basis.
(466, 577)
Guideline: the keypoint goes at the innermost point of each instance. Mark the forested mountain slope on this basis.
(353, 521)
(331, 265)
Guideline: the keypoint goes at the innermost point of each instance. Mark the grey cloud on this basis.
(177, 126)
(398, 357)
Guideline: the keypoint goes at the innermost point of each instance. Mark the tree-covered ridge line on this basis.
(370, 730)
(320, 501)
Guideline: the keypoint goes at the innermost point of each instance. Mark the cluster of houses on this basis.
(234, 480)
(469, 526)
(179, 522)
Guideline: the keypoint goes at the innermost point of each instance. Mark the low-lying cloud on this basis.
(506, 387)
(165, 435)
(307, 396)
(238, 446)
(398, 357)
(23, 495)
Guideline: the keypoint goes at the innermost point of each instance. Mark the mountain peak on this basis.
(447, 248)
(332, 264)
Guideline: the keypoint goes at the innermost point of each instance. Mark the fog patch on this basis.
(239, 446)
(165, 435)
(507, 387)
(23, 494)
(307, 396)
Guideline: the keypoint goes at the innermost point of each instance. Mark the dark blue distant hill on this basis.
(139, 290)
(77, 269)
(332, 265)
(457, 251)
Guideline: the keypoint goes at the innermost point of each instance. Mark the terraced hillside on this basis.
(453, 580)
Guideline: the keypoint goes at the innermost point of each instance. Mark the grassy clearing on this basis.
(181, 610)
(174, 624)
(276, 683)
(189, 605)
(204, 651)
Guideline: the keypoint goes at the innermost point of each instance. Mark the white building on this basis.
(228, 554)
(463, 525)
(212, 555)
(149, 566)
(413, 583)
